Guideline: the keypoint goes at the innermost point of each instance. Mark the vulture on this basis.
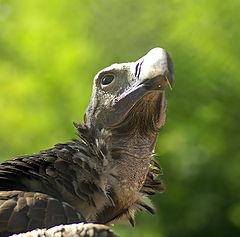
(104, 175)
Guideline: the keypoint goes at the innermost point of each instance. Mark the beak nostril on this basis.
(136, 69)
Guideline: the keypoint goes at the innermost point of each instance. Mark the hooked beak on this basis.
(155, 64)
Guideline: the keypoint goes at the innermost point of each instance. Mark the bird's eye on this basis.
(107, 79)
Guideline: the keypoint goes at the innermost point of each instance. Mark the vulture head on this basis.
(129, 98)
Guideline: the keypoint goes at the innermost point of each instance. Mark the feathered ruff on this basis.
(81, 170)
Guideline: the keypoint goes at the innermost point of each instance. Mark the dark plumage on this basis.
(105, 175)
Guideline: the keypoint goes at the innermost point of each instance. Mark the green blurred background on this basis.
(50, 52)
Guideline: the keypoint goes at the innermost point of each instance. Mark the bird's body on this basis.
(104, 175)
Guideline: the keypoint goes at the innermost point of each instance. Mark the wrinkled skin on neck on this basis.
(134, 138)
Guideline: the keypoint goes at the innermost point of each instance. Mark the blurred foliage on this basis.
(49, 53)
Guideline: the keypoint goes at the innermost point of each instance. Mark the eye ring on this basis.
(107, 80)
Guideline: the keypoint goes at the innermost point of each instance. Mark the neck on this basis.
(133, 156)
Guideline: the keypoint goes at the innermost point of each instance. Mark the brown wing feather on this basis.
(22, 211)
